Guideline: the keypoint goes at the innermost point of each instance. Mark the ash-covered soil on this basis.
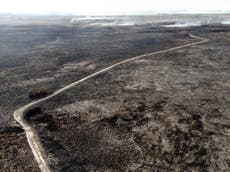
(136, 137)
(15, 153)
(47, 56)
(51, 56)
(168, 112)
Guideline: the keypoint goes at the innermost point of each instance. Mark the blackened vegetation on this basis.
(15, 153)
(175, 147)
(138, 137)
(186, 131)
(142, 136)
(41, 58)
(37, 93)
(34, 111)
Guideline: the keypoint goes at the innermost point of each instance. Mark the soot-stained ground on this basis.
(47, 55)
(168, 112)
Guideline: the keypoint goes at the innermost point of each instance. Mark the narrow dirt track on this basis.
(32, 136)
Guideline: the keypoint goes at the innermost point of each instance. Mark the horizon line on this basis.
(117, 14)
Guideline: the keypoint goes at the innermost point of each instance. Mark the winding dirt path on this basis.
(32, 136)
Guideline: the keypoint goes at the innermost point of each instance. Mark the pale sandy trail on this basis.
(32, 136)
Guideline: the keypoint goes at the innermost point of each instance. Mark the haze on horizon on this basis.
(113, 7)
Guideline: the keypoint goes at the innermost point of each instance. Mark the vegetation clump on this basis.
(37, 93)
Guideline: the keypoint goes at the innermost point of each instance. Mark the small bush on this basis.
(37, 93)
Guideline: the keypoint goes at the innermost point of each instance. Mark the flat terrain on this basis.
(167, 112)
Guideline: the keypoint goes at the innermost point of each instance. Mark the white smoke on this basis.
(186, 24)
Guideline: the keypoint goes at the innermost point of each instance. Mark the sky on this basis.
(112, 7)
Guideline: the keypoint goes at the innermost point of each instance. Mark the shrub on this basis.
(37, 93)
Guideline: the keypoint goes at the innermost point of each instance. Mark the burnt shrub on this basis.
(33, 111)
(37, 93)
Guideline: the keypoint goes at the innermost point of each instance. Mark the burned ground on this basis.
(59, 54)
(49, 56)
(15, 154)
(169, 112)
